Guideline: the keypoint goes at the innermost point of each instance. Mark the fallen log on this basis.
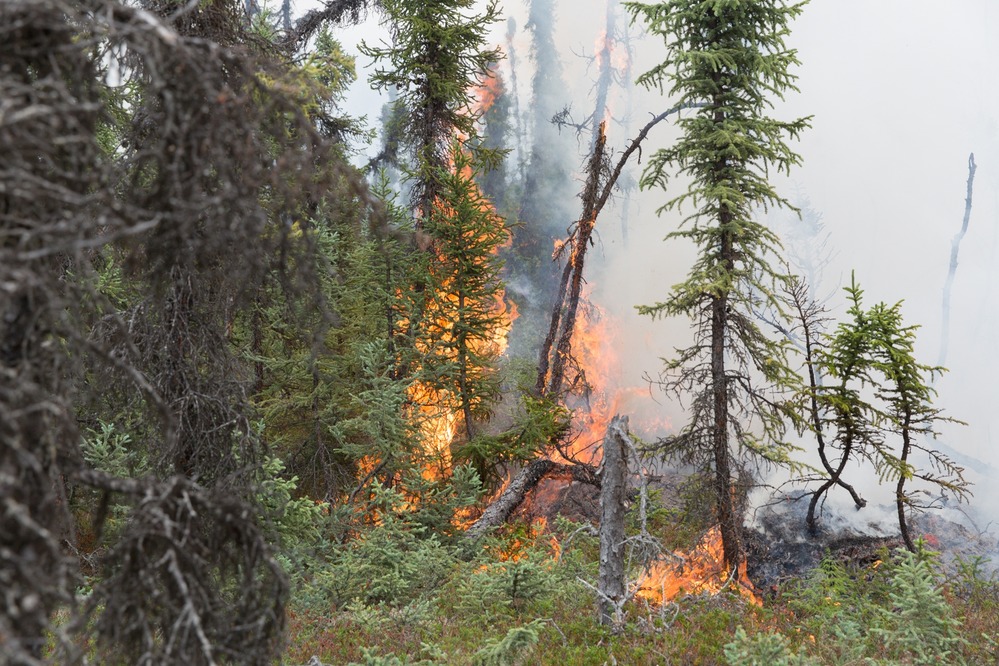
(525, 481)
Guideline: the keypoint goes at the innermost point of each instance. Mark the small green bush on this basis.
(919, 627)
(762, 649)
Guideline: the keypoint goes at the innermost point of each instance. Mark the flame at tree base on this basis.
(700, 571)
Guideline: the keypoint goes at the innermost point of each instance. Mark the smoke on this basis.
(897, 112)
(885, 168)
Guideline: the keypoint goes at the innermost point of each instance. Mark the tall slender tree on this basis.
(435, 62)
(729, 58)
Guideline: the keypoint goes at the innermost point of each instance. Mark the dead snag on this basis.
(611, 585)
(955, 245)
(594, 198)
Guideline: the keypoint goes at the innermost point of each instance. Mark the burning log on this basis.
(525, 481)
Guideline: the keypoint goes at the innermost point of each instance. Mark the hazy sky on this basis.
(901, 92)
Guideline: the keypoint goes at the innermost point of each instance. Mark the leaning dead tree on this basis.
(557, 347)
(556, 350)
(955, 246)
(176, 178)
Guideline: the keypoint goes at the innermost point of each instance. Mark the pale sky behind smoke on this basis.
(901, 92)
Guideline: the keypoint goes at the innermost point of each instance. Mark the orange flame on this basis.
(700, 571)
(599, 392)
(438, 411)
(487, 93)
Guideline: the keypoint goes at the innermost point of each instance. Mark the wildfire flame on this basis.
(597, 391)
(436, 410)
(700, 571)
(487, 93)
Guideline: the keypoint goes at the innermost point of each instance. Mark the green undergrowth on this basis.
(519, 599)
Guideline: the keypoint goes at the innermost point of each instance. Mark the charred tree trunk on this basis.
(563, 321)
(611, 586)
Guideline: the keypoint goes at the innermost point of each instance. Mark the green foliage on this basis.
(110, 450)
(511, 650)
(295, 521)
(845, 358)
(873, 352)
(326, 364)
(974, 590)
(762, 649)
(107, 449)
(394, 562)
(835, 591)
(538, 423)
(461, 319)
(371, 421)
(435, 58)
(373, 659)
(498, 588)
(919, 626)
(888, 614)
(442, 500)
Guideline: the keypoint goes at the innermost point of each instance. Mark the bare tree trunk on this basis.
(611, 585)
(954, 247)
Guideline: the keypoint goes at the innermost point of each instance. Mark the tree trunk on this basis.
(613, 493)
(728, 517)
(900, 496)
